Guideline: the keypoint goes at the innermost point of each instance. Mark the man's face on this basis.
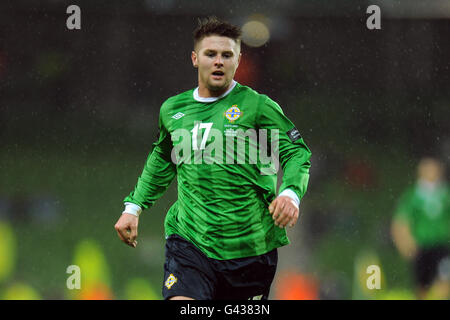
(217, 59)
(430, 170)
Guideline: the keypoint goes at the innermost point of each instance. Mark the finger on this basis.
(118, 227)
(272, 206)
(291, 215)
(132, 244)
(276, 211)
(279, 213)
(294, 218)
(121, 236)
(290, 218)
(285, 217)
(133, 233)
(279, 210)
(280, 217)
(123, 233)
(131, 237)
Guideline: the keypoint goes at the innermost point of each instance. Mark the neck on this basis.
(204, 92)
(428, 185)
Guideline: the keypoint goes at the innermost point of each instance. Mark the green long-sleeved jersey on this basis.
(225, 154)
(427, 212)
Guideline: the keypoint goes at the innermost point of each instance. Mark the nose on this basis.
(218, 61)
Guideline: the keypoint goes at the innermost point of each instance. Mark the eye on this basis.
(227, 55)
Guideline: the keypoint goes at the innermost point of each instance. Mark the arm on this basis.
(294, 158)
(403, 239)
(401, 232)
(158, 173)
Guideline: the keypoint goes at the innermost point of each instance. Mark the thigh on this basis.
(186, 271)
(246, 278)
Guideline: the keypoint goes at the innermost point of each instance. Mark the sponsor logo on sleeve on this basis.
(293, 134)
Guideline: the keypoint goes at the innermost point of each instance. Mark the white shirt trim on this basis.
(132, 208)
(212, 99)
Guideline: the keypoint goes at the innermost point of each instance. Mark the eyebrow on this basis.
(214, 51)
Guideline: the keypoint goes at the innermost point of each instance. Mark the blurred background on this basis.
(79, 110)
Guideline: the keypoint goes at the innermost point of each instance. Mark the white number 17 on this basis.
(200, 126)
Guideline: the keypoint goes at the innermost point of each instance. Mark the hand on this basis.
(126, 228)
(403, 239)
(284, 211)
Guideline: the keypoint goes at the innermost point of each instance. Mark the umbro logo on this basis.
(178, 115)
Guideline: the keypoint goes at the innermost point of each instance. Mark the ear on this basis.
(239, 61)
(194, 59)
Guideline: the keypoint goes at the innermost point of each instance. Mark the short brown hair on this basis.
(213, 26)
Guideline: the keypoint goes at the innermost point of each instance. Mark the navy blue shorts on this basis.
(426, 264)
(189, 272)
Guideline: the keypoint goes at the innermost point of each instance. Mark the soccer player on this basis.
(223, 232)
(420, 229)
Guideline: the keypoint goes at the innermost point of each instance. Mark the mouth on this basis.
(218, 74)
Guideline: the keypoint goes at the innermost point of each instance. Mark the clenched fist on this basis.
(284, 211)
(126, 228)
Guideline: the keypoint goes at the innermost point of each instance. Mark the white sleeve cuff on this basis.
(132, 208)
(291, 194)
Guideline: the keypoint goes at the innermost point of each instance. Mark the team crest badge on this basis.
(233, 113)
(171, 280)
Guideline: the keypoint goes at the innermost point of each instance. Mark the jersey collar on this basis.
(212, 99)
